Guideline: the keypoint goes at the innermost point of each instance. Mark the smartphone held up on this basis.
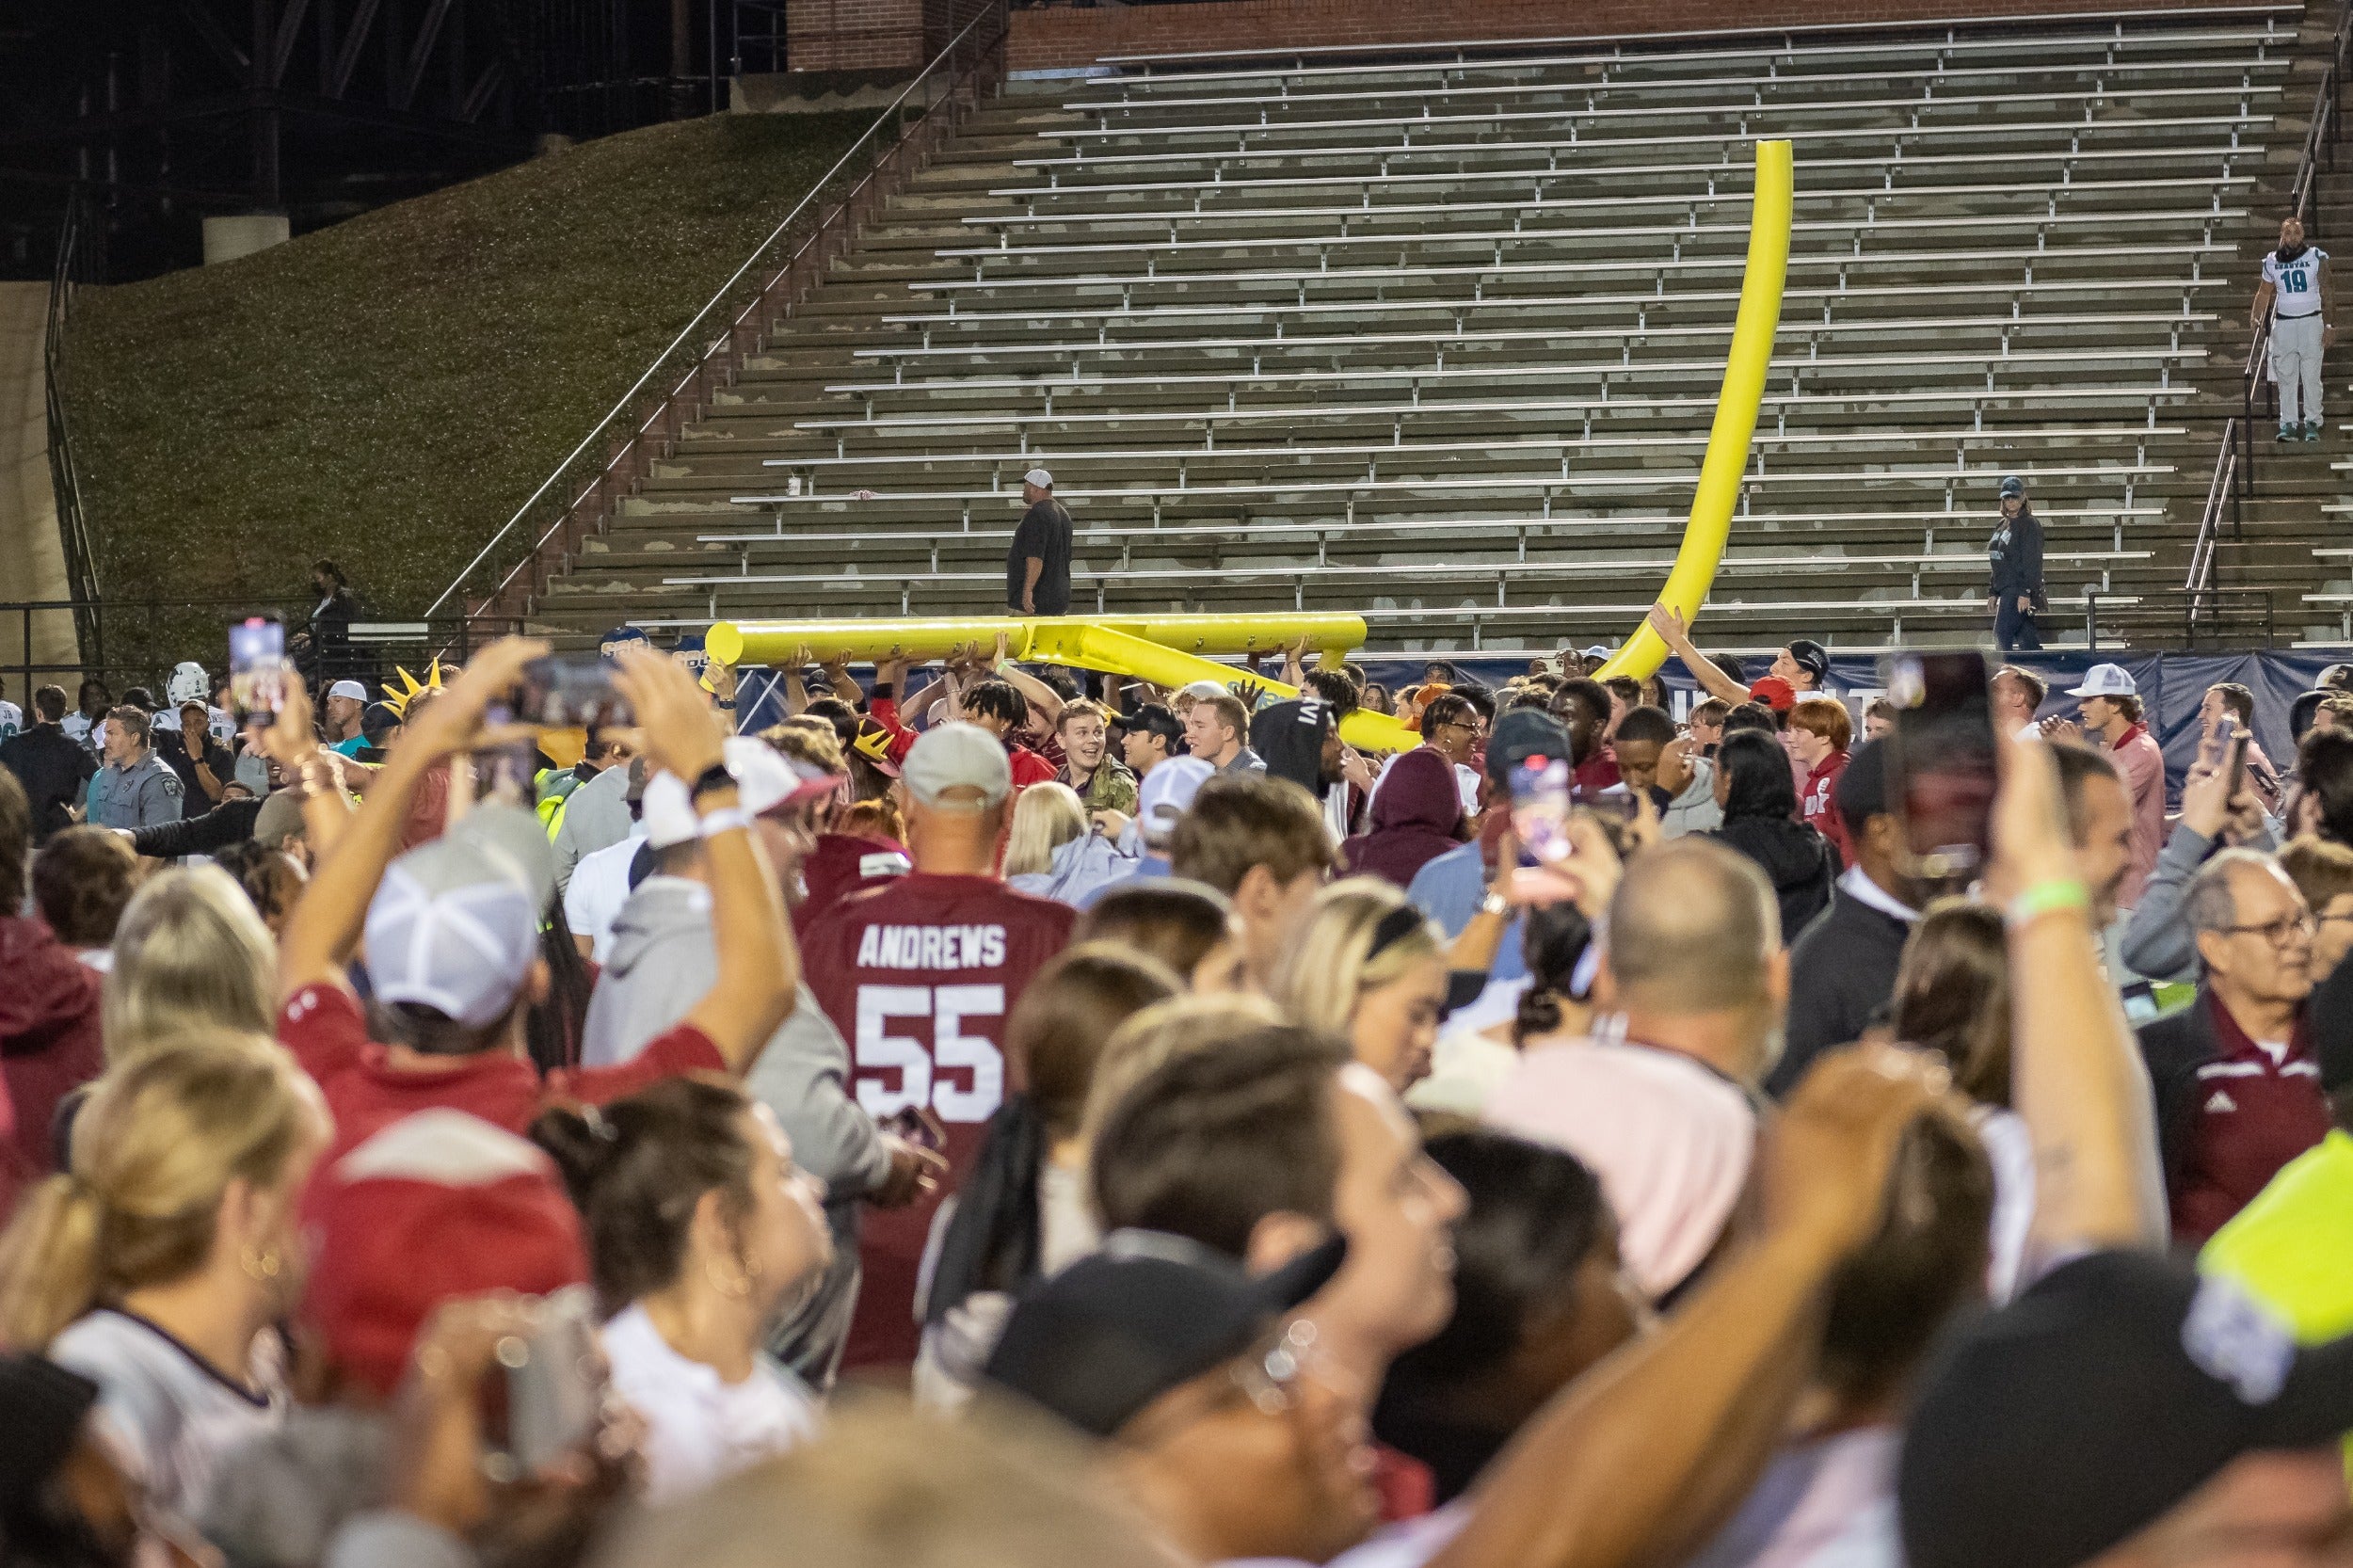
(258, 670)
(1942, 768)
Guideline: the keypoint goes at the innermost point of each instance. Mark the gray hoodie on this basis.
(1695, 810)
(595, 816)
(661, 963)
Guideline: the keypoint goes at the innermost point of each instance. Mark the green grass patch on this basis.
(386, 391)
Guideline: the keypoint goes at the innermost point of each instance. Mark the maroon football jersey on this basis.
(919, 976)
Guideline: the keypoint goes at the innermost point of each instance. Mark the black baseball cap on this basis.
(1810, 657)
(1147, 1312)
(1158, 718)
(2052, 1430)
(378, 718)
(1519, 734)
(2012, 485)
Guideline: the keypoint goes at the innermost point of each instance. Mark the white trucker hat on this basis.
(2106, 681)
(1039, 477)
(455, 924)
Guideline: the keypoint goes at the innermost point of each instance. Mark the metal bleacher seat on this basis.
(1437, 336)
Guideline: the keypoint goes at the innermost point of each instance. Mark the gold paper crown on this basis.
(399, 697)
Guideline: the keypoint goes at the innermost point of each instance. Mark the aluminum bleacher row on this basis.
(1439, 340)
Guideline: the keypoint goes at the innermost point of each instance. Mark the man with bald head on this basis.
(1693, 959)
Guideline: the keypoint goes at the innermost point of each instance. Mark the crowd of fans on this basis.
(988, 1115)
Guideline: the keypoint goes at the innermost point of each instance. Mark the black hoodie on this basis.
(1794, 858)
(1288, 738)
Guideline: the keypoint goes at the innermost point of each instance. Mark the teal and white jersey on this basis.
(2297, 282)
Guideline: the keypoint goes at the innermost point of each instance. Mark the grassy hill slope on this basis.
(388, 391)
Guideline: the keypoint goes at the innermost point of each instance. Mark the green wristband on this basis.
(2047, 898)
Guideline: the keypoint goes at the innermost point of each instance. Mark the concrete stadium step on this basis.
(1440, 341)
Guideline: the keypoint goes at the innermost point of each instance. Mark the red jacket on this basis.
(49, 1045)
(1817, 804)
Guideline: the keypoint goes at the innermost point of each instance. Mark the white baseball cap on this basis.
(1203, 689)
(351, 689)
(455, 924)
(1039, 477)
(956, 756)
(766, 779)
(2106, 681)
(1166, 793)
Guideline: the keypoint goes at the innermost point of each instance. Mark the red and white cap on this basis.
(436, 1205)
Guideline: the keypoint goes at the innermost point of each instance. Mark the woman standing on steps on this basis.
(2015, 553)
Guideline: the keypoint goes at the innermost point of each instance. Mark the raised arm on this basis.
(1675, 632)
(1042, 697)
(325, 925)
(1599, 1478)
(2076, 1076)
(759, 966)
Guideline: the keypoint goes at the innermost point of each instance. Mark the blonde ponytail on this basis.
(154, 1148)
(48, 1263)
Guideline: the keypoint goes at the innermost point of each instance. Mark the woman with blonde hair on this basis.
(1367, 965)
(158, 1266)
(1046, 818)
(190, 953)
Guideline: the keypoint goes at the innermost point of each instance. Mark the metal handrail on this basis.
(81, 561)
(2234, 463)
(985, 33)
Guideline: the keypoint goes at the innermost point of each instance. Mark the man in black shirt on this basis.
(1037, 568)
(52, 767)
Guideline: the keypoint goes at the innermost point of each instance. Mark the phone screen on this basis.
(570, 690)
(2236, 761)
(554, 1383)
(1942, 770)
(504, 772)
(257, 665)
(1540, 810)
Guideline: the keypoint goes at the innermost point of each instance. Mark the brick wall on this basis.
(878, 35)
(856, 35)
(1058, 38)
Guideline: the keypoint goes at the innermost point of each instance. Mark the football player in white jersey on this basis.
(2301, 296)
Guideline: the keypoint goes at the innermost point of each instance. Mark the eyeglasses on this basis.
(2278, 933)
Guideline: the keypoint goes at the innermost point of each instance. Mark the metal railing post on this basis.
(977, 43)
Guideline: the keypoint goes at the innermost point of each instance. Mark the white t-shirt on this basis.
(599, 888)
(170, 1415)
(2296, 283)
(700, 1429)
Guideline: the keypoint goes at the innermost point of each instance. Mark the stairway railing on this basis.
(2234, 478)
(81, 562)
(510, 571)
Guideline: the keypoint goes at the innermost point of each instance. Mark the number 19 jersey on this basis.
(2297, 282)
(920, 977)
